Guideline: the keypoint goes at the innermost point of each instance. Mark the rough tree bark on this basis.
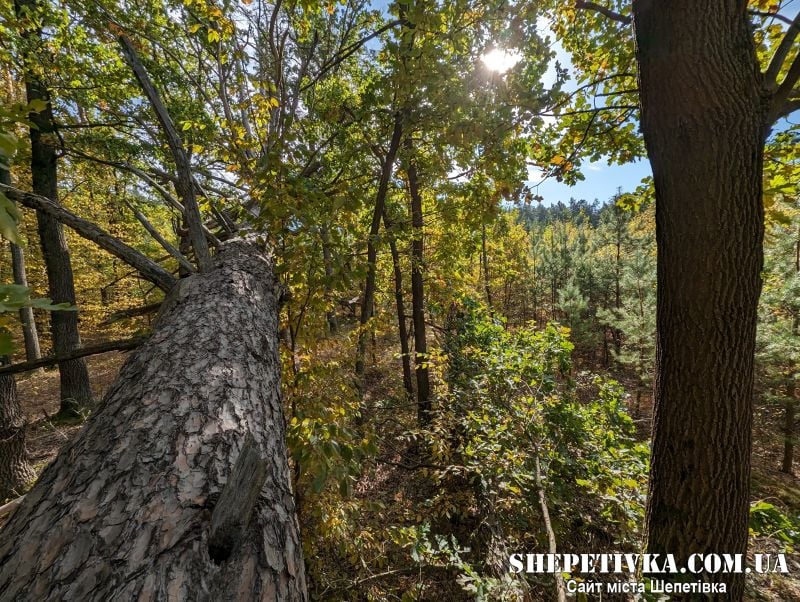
(125, 510)
(15, 470)
(76, 391)
(703, 116)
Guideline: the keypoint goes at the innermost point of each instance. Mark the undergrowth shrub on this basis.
(392, 511)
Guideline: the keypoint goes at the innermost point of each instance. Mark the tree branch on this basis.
(171, 200)
(561, 590)
(7, 509)
(785, 109)
(606, 12)
(345, 53)
(781, 53)
(160, 239)
(184, 169)
(148, 268)
(786, 91)
(131, 312)
(50, 360)
(768, 15)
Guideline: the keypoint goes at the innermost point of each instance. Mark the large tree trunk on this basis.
(76, 391)
(126, 510)
(703, 124)
(15, 470)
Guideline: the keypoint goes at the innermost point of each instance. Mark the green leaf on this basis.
(8, 144)
(9, 218)
(37, 105)
(14, 297)
(6, 344)
(318, 484)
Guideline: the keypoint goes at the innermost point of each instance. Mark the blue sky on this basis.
(601, 183)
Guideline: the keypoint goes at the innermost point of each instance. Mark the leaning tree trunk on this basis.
(703, 124)
(15, 470)
(137, 508)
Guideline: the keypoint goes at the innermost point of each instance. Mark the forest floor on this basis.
(39, 396)
(38, 393)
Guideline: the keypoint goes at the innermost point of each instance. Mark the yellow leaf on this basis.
(558, 160)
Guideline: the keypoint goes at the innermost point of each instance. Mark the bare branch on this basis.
(171, 200)
(131, 312)
(781, 53)
(184, 169)
(606, 12)
(148, 268)
(160, 239)
(768, 15)
(592, 110)
(348, 51)
(124, 345)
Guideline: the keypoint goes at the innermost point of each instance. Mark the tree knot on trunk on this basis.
(233, 510)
